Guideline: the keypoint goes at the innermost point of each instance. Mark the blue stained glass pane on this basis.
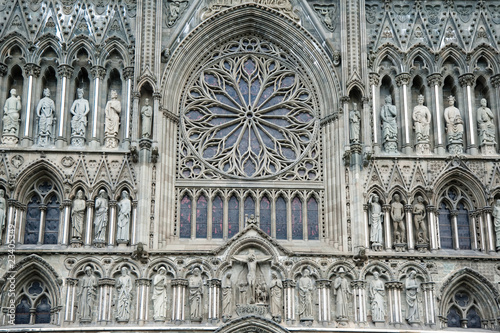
(312, 219)
(52, 221)
(249, 168)
(42, 312)
(249, 206)
(255, 145)
(249, 66)
(185, 218)
(23, 312)
(254, 91)
(281, 219)
(287, 82)
(194, 115)
(297, 225)
(453, 318)
(201, 217)
(35, 288)
(473, 319)
(44, 187)
(265, 215)
(266, 94)
(445, 234)
(233, 216)
(211, 80)
(32, 228)
(217, 218)
(463, 228)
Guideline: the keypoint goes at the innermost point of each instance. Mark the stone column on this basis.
(133, 238)
(467, 81)
(289, 301)
(324, 300)
(178, 299)
(66, 223)
(482, 229)
(394, 292)
(88, 224)
(432, 228)
(454, 229)
(43, 214)
(435, 81)
(410, 237)
(387, 227)
(65, 71)
(344, 100)
(495, 82)
(142, 300)
(106, 286)
(428, 300)
(18, 218)
(214, 300)
(10, 222)
(136, 98)
(32, 71)
(359, 292)
(112, 223)
(128, 74)
(374, 82)
(474, 223)
(489, 230)
(366, 225)
(69, 308)
(402, 80)
(98, 73)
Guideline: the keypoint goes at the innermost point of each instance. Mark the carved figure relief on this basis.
(3, 211)
(283, 6)
(412, 287)
(87, 295)
(123, 221)
(420, 221)
(147, 114)
(355, 124)
(112, 123)
(388, 115)
(254, 276)
(79, 110)
(77, 215)
(397, 216)
(196, 295)
(175, 8)
(496, 214)
(46, 121)
(485, 124)
(100, 218)
(376, 218)
(227, 298)
(124, 295)
(342, 293)
(160, 296)
(377, 298)
(11, 119)
(327, 14)
(305, 286)
(421, 125)
(454, 127)
(276, 290)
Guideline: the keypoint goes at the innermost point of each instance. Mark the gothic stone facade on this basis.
(249, 165)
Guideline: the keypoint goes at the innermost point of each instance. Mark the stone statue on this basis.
(243, 291)
(355, 124)
(3, 211)
(79, 110)
(485, 124)
(421, 124)
(412, 288)
(147, 114)
(375, 221)
(124, 209)
(77, 215)
(160, 283)
(343, 294)
(11, 110)
(87, 294)
(377, 295)
(276, 298)
(454, 127)
(252, 260)
(45, 112)
(389, 126)
(113, 109)
(227, 299)
(496, 214)
(419, 215)
(140, 254)
(261, 294)
(124, 297)
(398, 215)
(196, 295)
(101, 217)
(306, 289)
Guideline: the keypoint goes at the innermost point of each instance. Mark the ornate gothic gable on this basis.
(16, 23)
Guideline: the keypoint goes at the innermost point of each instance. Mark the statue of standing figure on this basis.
(419, 214)
(101, 218)
(124, 298)
(398, 215)
(79, 110)
(355, 124)
(485, 124)
(252, 260)
(496, 214)
(306, 289)
(412, 288)
(45, 111)
(375, 221)
(77, 215)
(454, 127)
(276, 290)
(377, 295)
(421, 120)
(160, 283)
(227, 299)
(112, 123)
(196, 295)
(3, 211)
(147, 114)
(87, 295)
(343, 294)
(11, 110)
(123, 223)
(388, 115)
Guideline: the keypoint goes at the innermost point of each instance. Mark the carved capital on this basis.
(3, 69)
(487, 209)
(345, 99)
(321, 284)
(65, 70)
(428, 286)
(358, 284)
(386, 208)
(98, 72)
(136, 94)
(43, 207)
(90, 203)
(435, 79)
(128, 73)
(72, 282)
(157, 95)
(394, 285)
(66, 203)
(214, 283)
(454, 213)
(143, 282)
(408, 208)
(180, 282)
(365, 101)
(466, 79)
(495, 81)
(32, 69)
(112, 203)
(289, 284)
(106, 282)
(403, 79)
(374, 79)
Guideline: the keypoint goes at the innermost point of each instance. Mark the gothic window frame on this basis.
(34, 299)
(463, 301)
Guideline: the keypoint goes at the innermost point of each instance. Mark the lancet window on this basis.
(33, 296)
(464, 311)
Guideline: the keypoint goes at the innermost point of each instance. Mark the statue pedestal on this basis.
(400, 247)
(43, 140)
(422, 248)
(77, 141)
(85, 320)
(99, 243)
(307, 321)
(488, 149)
(110, 142)
(422, 148)
(456, 148)
(196, 319)
(122, 242)
(414, 323)
(76, 243)
(10, 139)
(376, 247)
(391, 146)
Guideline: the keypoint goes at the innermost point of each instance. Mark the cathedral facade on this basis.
(249, 165)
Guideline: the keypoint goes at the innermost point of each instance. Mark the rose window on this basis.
(249, 116)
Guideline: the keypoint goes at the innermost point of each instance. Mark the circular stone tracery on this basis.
(249, 116)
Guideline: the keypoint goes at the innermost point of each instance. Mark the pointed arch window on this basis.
(185, 217)
(217, 217)
(445, 232)
(33, 294)
(463, 310)
(265, 215)
(463, 227)
(249, 207)
(233, 216)
(312, 219)
(297, 221)
(281, 218)
(201, 217)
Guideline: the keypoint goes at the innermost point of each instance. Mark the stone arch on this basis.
(487, 52)
(402, 271)
(254, 242)
(33, 172)
(425, 54)
(390, 53)
(15, 41)
(84, 43)
(79, 268)
(114, 44)
(251, 324)
(454, 53)
(464, 178)
(382, 268)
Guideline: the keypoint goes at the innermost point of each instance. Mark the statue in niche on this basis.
(421, 121)
(77, 215)
(160, 283)
(276, 298)
(87, 295)
(252, 261)
(227, 299)
(124, 209)
(419, 215)
(397, 215)
(496, 214)
(11, 110)
(147, 114)
(454, 127)
(485, 124)
(377, 295)
(101, 217)
(79, 110)
(3, 211)
(306, 289)
(355, 124)
(412, 288)
(243, 291)
(343, 294)
(124, 297)
(196, 295)
(375, 221)
(388, 115)
(45, 112)
(113, 110)
(261, 294)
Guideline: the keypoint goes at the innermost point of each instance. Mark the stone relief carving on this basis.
(147, 114)
(376, 218)
(46, 120)
(276, 291)
(496, 214)
(305, 287)
(486, 128)
(227, 299)
(175, 8)
(371, 12)
(11, 119)
(3, 211)
(17, 161)
(377, 298)
(398, 216)
(421, 124)
(254, 276)
(454, 127)
(420, 222)
(160, 297)
(123, 221)
(100, 219)
(343, 294)
(79, 110)
(328, 15)
(77, 217)
(388, 115)
(124, 295)
(412, 288)
(196, 295)
(283, 6)
(112, 123)
(355, 124)
(87, 295)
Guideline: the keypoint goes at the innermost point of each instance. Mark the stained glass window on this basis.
(33, 215)
(249, 207)
(473, 319)
(52, 221)
(185, 217)
(42, 312)
(201, 217)
(463, 228)
(265, 215)
(453, 317)
(217, 218)
(23, 312)
(233, 216)
(312, 219)
(297, 223)
(445, 231)
(281, 219)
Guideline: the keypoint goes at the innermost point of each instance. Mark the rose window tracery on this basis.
(248, 114)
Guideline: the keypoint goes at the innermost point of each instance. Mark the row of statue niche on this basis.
(101, 217)
(397, 214)
(272, 296)
(421, 124)
(79, 110)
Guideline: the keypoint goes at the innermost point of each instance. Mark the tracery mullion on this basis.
(209, 217)
(289, 225)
